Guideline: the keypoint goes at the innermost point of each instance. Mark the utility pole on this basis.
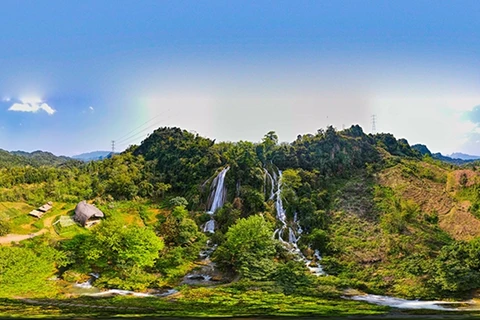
(374, 124)
(113, 147)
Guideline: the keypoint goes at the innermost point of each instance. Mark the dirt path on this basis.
(20, 237)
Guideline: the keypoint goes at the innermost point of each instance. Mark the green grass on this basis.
(68, 232)
(199, 302)
(24, 224)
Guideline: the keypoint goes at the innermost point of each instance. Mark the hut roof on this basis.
(85, 211)
(36, 213)
(46, 207)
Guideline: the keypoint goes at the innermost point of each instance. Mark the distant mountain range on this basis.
(44, 158)
(36, 158)
(92, 156)
(463, 156)
(455, 158)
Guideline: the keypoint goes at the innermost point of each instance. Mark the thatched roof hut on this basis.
(87, 214)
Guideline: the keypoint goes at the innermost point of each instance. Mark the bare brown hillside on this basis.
(432, 196)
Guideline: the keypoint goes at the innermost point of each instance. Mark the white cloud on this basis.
(437, 121)
(32, 105)
(6, 99)
(91, 109)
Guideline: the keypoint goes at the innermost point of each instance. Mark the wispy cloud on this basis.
(91, 109)
(32, 105)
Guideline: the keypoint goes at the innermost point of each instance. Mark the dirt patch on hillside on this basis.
(462, 178)
(432, 196)
(429, 195)
(460, 223)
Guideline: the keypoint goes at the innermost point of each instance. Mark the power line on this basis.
(134, 137)
(155, 117)
(143, 130)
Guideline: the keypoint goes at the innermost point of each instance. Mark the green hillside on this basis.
(385, 217)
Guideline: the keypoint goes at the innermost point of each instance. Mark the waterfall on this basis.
(293, 236)
(219, 191)
(272, 184)
(89, 283)
(218, 196)
(281, 216)
(209, 226)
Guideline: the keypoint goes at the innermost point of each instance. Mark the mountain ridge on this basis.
(93, 155)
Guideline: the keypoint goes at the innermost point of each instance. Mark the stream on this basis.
(416, 304)
(289, 234)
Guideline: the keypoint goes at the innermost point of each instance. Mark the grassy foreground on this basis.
(198, 302)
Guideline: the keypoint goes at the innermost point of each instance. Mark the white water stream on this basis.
(294, 230)
(218, 196)
(113, 292)
(414, 304)
(87, 288)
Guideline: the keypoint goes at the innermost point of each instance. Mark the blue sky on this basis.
(76, 75)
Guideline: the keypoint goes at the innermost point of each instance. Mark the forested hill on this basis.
(185, 160)
(386, 218)
(36, 158)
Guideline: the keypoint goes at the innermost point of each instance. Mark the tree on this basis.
(463, 179)
(178, 201)
(23, 271)
(160, 189)
(114, 249)
(4, 227)
(226, 216)
(291, 276)
(267, 147)
(248, 248)
(181, 234)
(456, 268)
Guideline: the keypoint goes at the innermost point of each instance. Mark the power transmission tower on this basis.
(113, 146)
(374, 124)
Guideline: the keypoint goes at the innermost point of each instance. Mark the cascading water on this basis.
(415, 304)
(218, 196)
(293, 236)
(216, 200)
(271, 182)
(87, 288)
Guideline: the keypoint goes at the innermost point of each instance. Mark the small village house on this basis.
(87, 214)
(42, 210)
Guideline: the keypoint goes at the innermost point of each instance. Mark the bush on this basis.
(5, 227)
(178, 201)
(248, 248)
(73, 276)
(291, 277)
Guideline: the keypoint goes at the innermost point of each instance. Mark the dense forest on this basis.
(386, 218)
